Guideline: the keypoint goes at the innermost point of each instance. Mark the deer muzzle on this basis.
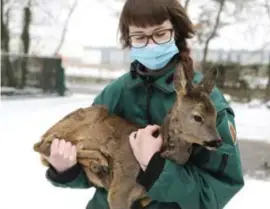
(214, 144)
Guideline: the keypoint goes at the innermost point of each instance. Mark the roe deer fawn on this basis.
(102, 140)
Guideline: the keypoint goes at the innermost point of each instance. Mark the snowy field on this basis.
(23, 182)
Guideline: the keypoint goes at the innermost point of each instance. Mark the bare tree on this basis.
(45, 16)
(25, 38)
(267, 7)
(209, 35)
(186, 4)
(65, 27)
(7, 73)
(267, 89)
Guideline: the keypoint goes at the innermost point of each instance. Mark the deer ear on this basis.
(181, 81)
(209, 80)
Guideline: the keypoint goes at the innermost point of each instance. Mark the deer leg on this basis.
(118, 196)
(124, 190)
(123, 195)
(94, 160)
(139, 193)
(120, 187)
(44, 145)
(96, 180)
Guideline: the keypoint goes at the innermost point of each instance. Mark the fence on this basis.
(113, 57)
(240, 71)
(243, 82)
(245, 74)
(21, 71)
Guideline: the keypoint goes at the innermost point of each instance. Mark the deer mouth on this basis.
(214, 144)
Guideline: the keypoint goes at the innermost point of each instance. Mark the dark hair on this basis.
(143, 13)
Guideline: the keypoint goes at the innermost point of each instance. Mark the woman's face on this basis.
(162, 33)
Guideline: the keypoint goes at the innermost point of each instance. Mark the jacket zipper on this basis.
(148, 101)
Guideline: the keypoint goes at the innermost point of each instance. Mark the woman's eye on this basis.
(161, 34)
(139, 37)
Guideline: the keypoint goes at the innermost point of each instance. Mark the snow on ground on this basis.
(23, 183)
(94, 72)
(255, 194)
(252, 123)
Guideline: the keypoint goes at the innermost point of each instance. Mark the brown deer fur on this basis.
(102, 140)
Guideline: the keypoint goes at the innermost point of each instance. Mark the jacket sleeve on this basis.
(71, 178)
(112, 97)
(192, 186)
(75, 177)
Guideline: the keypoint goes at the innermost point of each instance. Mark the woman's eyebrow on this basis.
(159, 28)
(143, 32)
(136, 32)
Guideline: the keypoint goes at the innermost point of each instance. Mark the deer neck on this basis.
(165, 128)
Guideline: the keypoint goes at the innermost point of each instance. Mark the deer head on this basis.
(193, 116)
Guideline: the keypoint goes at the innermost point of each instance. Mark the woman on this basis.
(156, 31)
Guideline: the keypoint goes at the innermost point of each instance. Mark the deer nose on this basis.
(216, 143)
(219, 140)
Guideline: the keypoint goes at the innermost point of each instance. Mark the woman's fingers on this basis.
(73, 154)
(152, 128)
(54, 147)
(67, 150)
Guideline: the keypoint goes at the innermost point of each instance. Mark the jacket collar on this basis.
(163, 82)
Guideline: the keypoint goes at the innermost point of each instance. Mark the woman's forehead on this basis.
(166, 24)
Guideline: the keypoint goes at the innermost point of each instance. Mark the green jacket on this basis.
(208, 181)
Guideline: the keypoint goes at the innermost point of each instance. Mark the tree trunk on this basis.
(267, 7)
(25, 37)
(267, 89)
(7, 73)
(186, 4)
(212, 35)
(63, 35)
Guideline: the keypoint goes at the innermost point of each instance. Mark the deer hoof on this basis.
(99, 169)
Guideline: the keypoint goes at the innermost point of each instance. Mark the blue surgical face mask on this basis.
(155, 56)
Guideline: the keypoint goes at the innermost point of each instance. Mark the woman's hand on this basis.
(63, 155)
(144, 145)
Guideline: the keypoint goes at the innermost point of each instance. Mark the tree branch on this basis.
(213, 33)
(186, 4)
(47, 13)
(63, 36)
(267, 7)
(222, 3)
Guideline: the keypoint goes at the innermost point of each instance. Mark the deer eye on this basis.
(198, 118)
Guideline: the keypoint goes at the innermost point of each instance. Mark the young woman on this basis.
(156, 31)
